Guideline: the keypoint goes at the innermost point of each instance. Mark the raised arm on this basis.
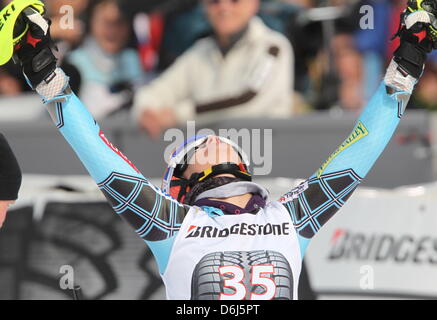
(155, 216)
(319, 198)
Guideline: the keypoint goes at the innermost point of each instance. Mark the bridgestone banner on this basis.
(382, 244)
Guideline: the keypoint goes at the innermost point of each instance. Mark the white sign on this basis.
(381, 244)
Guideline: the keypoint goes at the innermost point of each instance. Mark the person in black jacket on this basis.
(10, 178)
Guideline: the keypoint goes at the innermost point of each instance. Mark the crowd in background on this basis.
(127, 53)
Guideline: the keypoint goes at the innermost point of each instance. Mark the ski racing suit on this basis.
(202, 255)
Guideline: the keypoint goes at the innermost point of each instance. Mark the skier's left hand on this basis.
(417, 40)
(35, 52)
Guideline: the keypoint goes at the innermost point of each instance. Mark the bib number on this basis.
(240, 275)
(258, 279)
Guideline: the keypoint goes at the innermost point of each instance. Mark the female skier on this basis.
(214, 233)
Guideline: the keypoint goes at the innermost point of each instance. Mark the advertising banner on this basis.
(382, 244)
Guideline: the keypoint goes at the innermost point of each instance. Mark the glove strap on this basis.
(410, 58)
(49, 90)
(398, 79)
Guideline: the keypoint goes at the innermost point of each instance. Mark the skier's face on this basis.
(109, 27)
(212, 152)
(4, 205)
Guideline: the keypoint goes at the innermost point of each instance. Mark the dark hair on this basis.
(10, 172)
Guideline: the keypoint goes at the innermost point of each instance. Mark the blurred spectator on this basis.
(149, 32)
(184, 25)
(350, 67)
(158, 21)
(396, 7)
(11, 81)
(109, 70)
(349, 64)
(372, 44)
(329, 67)
(425, 95)
(9, 85)
(66, 28)
(243, 70)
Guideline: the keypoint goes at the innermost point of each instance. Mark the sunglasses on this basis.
(216, 2)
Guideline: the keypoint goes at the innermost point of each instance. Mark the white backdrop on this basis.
(382, 244)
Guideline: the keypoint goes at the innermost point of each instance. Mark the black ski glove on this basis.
(35, 51)
(417, 41)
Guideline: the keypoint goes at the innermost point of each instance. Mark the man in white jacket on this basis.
(244, 70)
